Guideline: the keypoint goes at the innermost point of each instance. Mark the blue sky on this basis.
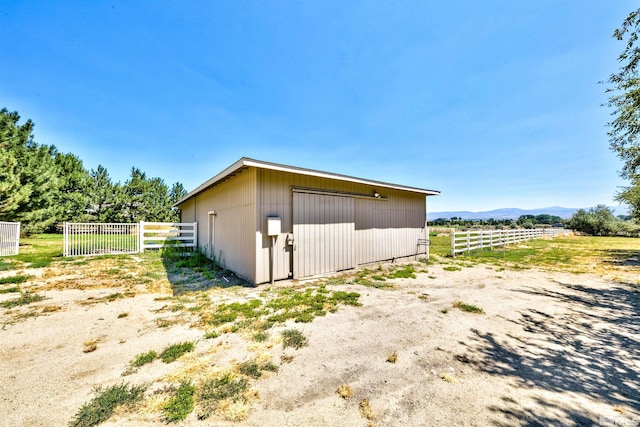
(494, 103)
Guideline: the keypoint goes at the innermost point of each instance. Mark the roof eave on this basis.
(247, 162)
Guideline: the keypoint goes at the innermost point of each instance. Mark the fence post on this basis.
(195, 236)
(141, 237)
(65, 229)
(18, 239)
(468, 240)
(453, 243)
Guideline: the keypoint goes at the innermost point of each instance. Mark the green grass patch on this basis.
(14, 280)
(175, 351)
(24, 299)
(181, 404)
(100, 408)
(452, 268)
(10, 290)
(406, 272)
(144, 358)
(469, 308)
(293, 338)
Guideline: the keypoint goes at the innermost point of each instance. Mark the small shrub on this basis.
(173, 352)
(293, 338)
(144, 358)
(468, 307)
(181, 404)
(444, 311)
(100, 408)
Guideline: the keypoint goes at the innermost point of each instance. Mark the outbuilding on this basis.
(266, 221)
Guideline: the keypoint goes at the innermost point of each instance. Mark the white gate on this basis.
(9, 238)
(100, 239)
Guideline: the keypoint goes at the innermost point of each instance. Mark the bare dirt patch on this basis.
(548, 348)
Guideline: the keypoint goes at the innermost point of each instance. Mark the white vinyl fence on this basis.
(156, 235)
(110, 239)
(100, 238)
(9, 238)
(464, 241)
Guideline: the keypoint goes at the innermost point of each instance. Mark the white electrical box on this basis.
(273, 225)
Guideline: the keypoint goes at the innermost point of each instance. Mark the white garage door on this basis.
(323, 232)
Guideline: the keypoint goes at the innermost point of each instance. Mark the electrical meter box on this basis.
(273, 225)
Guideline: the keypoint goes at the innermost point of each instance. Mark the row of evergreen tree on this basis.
(41, 187)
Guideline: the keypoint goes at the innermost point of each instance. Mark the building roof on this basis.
(246, 162)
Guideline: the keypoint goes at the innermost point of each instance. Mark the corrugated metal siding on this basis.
(384, 229)
(389, 229)
(234, 202)
(323, 229)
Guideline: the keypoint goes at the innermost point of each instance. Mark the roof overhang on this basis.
(246, 162)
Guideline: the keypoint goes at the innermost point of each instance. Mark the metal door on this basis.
(323, 232)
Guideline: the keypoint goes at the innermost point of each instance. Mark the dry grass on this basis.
(345, 391)
(449, 378)
(366, 410)
(91, 345)
(393, 357)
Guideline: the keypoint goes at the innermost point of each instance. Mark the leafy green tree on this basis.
(598, 221)
(624, 99)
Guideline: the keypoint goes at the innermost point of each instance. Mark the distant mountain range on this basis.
(513, 213)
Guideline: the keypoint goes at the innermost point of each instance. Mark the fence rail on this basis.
(85, 239)
(155, 235)
(464, 241)
(9, 238)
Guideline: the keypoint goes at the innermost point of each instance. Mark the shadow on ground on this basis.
(621, 257)
(592, 349)
(193, 271)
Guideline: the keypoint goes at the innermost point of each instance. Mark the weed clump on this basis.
(175, 351)
(144, 358)
(254, 369)
(181, 404)
(293, 338)
(468, 307)
(14, 280)
(24, 299)
(100, 408)
(393, 357)
(215, 390)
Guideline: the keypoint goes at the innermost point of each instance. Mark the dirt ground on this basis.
(551, 348)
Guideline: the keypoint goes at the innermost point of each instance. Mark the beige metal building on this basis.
(266, 221)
